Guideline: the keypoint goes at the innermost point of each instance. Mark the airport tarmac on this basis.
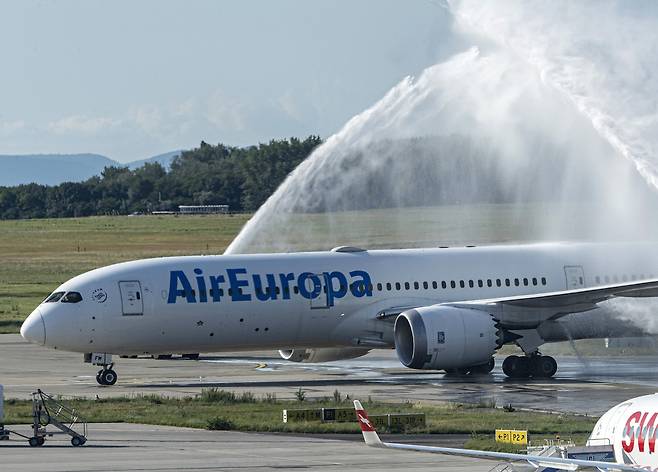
(162, 448)
(578, 388)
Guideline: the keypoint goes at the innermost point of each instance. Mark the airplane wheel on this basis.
(99, 377)
(516, 367)
(40, 440)
(543, 366)
(77, 441)
(108, 377)
(33, 441)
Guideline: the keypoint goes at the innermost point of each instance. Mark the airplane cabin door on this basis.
(131, 297)
(575, 276)
(322, 300)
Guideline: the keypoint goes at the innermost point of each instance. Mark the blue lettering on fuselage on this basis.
(238, 284)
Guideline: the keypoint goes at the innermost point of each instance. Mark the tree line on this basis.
(242, 178)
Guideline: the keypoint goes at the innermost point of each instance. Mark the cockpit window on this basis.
(72, 297)
(54, 297)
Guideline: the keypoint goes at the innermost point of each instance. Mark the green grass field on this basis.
(219, 409)
(38, 255)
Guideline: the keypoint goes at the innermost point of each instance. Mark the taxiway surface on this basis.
(578, 388)
(133, 447)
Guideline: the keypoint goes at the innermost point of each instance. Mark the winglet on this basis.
(367, 428)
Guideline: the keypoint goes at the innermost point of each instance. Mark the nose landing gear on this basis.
(106, 376)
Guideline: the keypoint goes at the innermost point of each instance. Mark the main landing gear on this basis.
(535, 365)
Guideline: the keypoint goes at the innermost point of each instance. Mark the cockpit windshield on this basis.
(72, 297)
(54, 297)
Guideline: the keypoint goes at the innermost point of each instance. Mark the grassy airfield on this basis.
(38, 255)
(215, 409)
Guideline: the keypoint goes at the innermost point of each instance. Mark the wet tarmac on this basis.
(589, 388)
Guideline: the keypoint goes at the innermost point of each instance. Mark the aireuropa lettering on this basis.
(238, 285)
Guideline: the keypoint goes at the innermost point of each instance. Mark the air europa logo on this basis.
(241, 286)
(639, 427)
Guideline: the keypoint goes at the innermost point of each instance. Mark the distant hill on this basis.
(53, 169)
(163, 159)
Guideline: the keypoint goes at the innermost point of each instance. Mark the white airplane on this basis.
(441, 309)
(630, 428)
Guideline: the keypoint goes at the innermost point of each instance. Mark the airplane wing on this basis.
(372, 439)
(552, 305)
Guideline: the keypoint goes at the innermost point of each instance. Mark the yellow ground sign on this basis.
(512, 436)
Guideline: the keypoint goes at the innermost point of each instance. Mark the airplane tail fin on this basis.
(367, 428)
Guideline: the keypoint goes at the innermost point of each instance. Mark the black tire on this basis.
(41, 440)
(33, 441)
(517, 367)
(99, 377)
(193, 356)
(543, 366)
(77, 441)
(109, 377)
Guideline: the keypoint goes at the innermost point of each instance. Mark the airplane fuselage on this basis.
(319, 299)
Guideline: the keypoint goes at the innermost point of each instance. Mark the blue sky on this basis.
(130, 79)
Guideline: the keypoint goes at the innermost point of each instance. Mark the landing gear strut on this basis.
(536, 365)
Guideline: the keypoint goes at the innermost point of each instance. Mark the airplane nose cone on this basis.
(34, 329)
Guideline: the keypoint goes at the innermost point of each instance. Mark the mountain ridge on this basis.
(53, 169)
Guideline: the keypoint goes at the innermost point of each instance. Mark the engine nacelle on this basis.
(323, 354)
(444, 337)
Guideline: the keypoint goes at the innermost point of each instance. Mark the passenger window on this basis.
(607, 279)
(507, 282)
(470, 283)
(426, 285)
(54, 297)
(388, 286)
(480, 283)
(406, 285)
(489, 283)
(397, 285)
(434, 284)
(516, 282)
(379, 287)
(534, 281)
(453, 284)
(444, 284)
(295, 289)
(525, 281)
(498, 284)
(416, 286)
(615, 279)
(543, 280)
(597, 279)
(624, 278)
(75, 297)
(461, 284)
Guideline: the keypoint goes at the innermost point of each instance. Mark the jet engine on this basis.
(444, 337)
(324, 354)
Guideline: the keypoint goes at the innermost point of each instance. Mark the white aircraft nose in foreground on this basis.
(442, 308)
(630, 428)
